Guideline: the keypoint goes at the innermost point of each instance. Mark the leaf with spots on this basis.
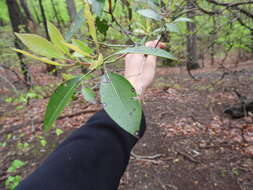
(120, 102)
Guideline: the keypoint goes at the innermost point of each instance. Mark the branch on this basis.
(243, 24)
(230, 4)
(36, 122)
(207, 11)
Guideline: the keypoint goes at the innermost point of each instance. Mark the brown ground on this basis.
(196, 146)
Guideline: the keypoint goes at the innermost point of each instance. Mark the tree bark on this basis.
(191, 49)
(71, 9)
(26, 10)
(44, 18)
(50, 68)
(17, 19)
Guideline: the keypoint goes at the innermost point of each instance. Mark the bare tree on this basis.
(191, 48)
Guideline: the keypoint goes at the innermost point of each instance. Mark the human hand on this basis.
(140, 68)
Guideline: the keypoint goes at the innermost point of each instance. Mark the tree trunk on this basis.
(44, 18)
(71, 9)
(26, 10)
(50, 68)
(35, 12)
(56, 15)
(31, 23)
(191, 49)
(17, 19)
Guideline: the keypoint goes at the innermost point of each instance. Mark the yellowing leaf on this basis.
(77, 49)
(66, 76)
(82, 46)
(45, 60)
(56, 38)
(97, 63)
(40, 45)
(91, 22)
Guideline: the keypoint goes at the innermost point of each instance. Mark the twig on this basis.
(11, 85)
(145, 157)
(187, 157)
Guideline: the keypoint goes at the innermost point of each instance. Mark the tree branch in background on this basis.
(230, 4)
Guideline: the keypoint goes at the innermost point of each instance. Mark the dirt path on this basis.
(199, 148)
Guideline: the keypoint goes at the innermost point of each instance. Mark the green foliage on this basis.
(149, 13)
(15, 165)
(12, 182)
(56, 38)
(59, 100)
(40, 45)
(58, 132)
(120, 101)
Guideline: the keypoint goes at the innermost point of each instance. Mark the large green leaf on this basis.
(149, 13)
(40, 45)
(59, 100)
(120, 102)
(56, 38)
(149, 51)
(76, 25)
(97, 6)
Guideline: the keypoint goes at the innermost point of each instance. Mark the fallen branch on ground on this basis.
(36, 122)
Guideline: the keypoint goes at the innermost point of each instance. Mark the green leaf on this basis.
(67, 76)
(182, 19)
(77, 49)
(59, 100)
(149, 51)
(97, 6)
(172, 27)
(40, 45)
(56, 38)
(120, 102)
(15, 165)
(82, 46)
(89, 95)
(58, 132)
(76, 25)
(149, 13)
(91, 22)
(102, 25)
(43, 59)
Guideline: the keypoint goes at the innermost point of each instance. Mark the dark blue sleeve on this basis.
(94, 157)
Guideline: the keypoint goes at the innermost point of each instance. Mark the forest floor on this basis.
(191, 143)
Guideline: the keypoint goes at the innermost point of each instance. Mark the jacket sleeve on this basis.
(94, 157)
